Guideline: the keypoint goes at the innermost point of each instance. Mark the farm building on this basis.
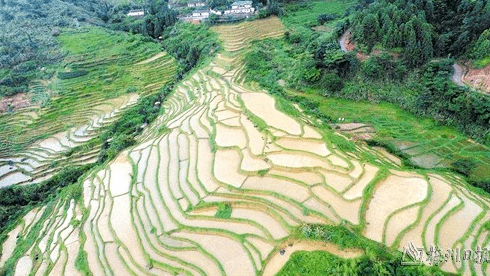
(215, 12)
(136, 13)
(196, 4)
(200, 13)
(241, 7)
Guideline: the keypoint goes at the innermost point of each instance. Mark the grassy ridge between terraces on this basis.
(306, 13)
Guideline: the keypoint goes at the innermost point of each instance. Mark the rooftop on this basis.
(136, 13)
(240, 3)
(200, 11)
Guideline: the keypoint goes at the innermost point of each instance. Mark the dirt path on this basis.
(458, 74)
(343, 41)
(153, 58)
(347, 46)
(14, 102)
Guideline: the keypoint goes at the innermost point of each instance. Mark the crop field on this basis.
(306, 14)
(220, 181)
(104, 74)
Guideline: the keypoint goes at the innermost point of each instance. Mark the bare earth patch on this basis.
(14, 102)
(478, 78)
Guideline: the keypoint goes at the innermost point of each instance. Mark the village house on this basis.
(200, 14)
(241, 7)
(215, 12)
(195, 4)
(136, 13)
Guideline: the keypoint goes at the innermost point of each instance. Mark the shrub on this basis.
(224, 211)
(324, 17)
(262, 14)
(332, 82)
(481, 49)
(384, 67)
(263, 172)
(464, 166)
(190, 44)
(131, 89)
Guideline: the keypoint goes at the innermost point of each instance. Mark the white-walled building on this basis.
(136, 13)
(200, 14)
(241, 7)
(215, 12)
(196, 4)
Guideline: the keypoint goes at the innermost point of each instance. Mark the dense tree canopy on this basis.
(158, 17)
(189, 43)
(422, 28)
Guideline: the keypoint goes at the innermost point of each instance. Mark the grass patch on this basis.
(324, 263)
(481, 63)
(377, 260)
(224, 211)
(306, 13)
(263, 172)
(103, 43)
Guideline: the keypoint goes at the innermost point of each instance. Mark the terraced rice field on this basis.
(154, 210)
(81, 108)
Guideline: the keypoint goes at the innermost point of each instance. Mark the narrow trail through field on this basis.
(220, 181)
(153, 58)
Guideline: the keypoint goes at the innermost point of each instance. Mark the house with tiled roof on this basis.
(241, 7)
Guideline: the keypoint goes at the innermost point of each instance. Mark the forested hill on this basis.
(422, 29)
(27, 36)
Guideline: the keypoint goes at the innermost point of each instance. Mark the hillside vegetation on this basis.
(422, 29)
(480, 51)
(28, 37)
